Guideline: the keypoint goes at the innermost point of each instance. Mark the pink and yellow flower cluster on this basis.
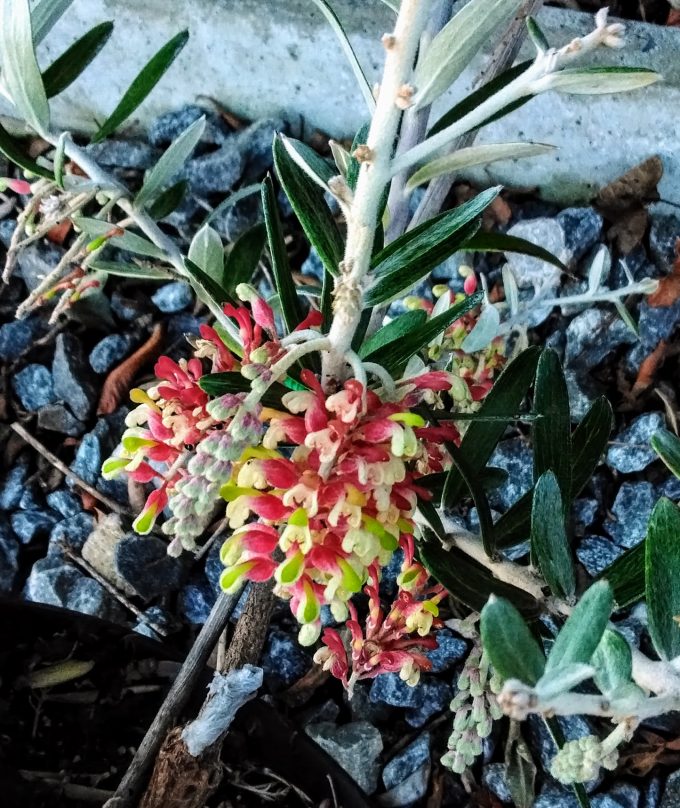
(340, 501)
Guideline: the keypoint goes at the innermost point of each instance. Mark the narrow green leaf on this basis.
(512, 649)
(468, 581)
(429, 512)
(307, 160)
(150, 273)
(453, 47)
(416, 244)
(481, 437)
(73, 61)
(564, 679)
(501, 242)
(667, 446)
(291, 307)
(549, 542)
(20, 72)
(411, 257)
(474, 156)
(396, 284)
(552, 433)
(520, 769)
(219, 384)
(170, 163)
(484, 331)
(60, 159)
(478, 494)
(399, 328)
(44, 16)
(168, 201)
(394, 355)
(472, 101)
(212, 294)
(536, 35)
(662, 578)
(207, 253)
(393, 4)
(95, 228)
(244, 257)
(348, 50)
(589, 442)
(142, 85)
(583, 630)
(626, 576)
(14, 151)
(231, 200)
(307, 200)
(600, 80)
(613, 663)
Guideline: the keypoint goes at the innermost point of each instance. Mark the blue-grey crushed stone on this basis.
(64, 502)
(450, 650)
(494, 778)
(9, 557)
(631, 450)
(195, 601)
(170, 125)
(18, 335)
(582, 229)
(631, 509)
(435, 697)
(73, 377)
(12, 487)
(33, 386)
(29, 525)
(407, 761)
(57, 418)
(143, 562)
(283, 659)
(109, 352)
(390, 689)
(515, 457)
(73, 530)
(173, 297)
(596, 553)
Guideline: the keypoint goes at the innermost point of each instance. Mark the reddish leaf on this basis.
(649, 367)
(669, 287)
(57, 235)
(119, 381)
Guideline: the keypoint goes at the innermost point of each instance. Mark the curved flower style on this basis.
(341, 502)
(392, 642)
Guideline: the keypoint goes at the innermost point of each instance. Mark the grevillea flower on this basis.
(342, 501)
(391, 642)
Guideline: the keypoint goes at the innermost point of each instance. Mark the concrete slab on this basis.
(263, 57)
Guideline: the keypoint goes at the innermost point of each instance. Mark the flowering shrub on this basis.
(329, 435)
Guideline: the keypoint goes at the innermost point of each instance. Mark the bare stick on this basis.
(175, 701)
(65, 470)
(117, 594)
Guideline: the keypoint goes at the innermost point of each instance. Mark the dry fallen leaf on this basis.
(648, 751)
(623, 203)
(673, 18)
(119, 381)
(649, 367)
(57, 235)
(669, 286)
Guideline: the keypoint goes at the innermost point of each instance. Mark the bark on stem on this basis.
(400, 48)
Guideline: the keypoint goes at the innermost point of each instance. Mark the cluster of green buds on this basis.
(475, 709)
(580, 761)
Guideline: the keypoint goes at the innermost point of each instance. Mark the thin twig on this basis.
(65, 470)
(117, 594)
(175, 701)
